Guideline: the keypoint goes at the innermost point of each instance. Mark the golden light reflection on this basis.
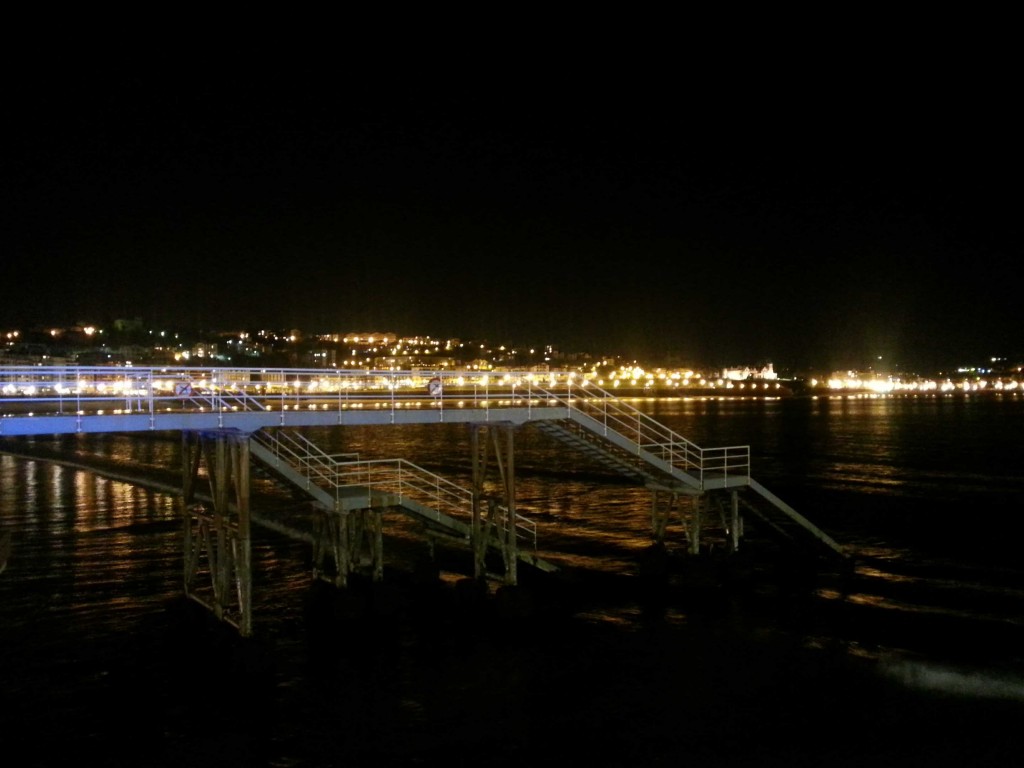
(896, 578)
(875, 601)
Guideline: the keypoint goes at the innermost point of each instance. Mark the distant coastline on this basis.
(790, 390)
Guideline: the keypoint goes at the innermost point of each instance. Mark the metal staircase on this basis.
(631, 443)
(602, 452)
(342, 483)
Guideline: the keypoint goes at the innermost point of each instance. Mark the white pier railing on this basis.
(153, 393)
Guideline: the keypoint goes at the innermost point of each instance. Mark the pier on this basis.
(231, 419)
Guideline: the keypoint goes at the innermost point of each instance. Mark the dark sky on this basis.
(796, 209)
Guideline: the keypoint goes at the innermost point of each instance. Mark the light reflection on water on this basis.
(846, 450)
(95, 558)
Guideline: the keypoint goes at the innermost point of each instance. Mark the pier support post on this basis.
(663, 504)
(691, 509)
(218, 540)
(735, 522)
(499, 527)
(697, 504)
(351, 539)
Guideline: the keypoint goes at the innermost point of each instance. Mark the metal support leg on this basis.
(500, 526)
(734, 522)
(479, 462)
(696, 515)
(219, 538)
(511, 544)
(350, 539)
(330, 554)
(662, 505)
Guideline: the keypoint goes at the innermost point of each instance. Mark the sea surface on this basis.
(910, 652)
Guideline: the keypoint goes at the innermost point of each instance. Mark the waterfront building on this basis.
(766, 372)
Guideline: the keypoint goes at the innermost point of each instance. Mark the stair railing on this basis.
(647, 436)
(394, 477)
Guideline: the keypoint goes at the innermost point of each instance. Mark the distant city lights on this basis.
(503, 364)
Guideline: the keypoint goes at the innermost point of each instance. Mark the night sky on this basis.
(796, 209)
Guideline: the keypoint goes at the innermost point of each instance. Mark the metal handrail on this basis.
(651, 438)
(526, 529)
(399, 477)
(85, 390)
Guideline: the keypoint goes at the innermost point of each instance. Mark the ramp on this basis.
(786, 521)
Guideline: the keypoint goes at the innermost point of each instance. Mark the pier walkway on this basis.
(229, 417)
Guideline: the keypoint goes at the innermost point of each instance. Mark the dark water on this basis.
(912, 656)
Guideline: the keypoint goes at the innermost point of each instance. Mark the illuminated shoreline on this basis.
(804, 392)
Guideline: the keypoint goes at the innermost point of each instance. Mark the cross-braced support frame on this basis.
(494, 505)
(218, 541)
(346, 541)
(693, 511)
